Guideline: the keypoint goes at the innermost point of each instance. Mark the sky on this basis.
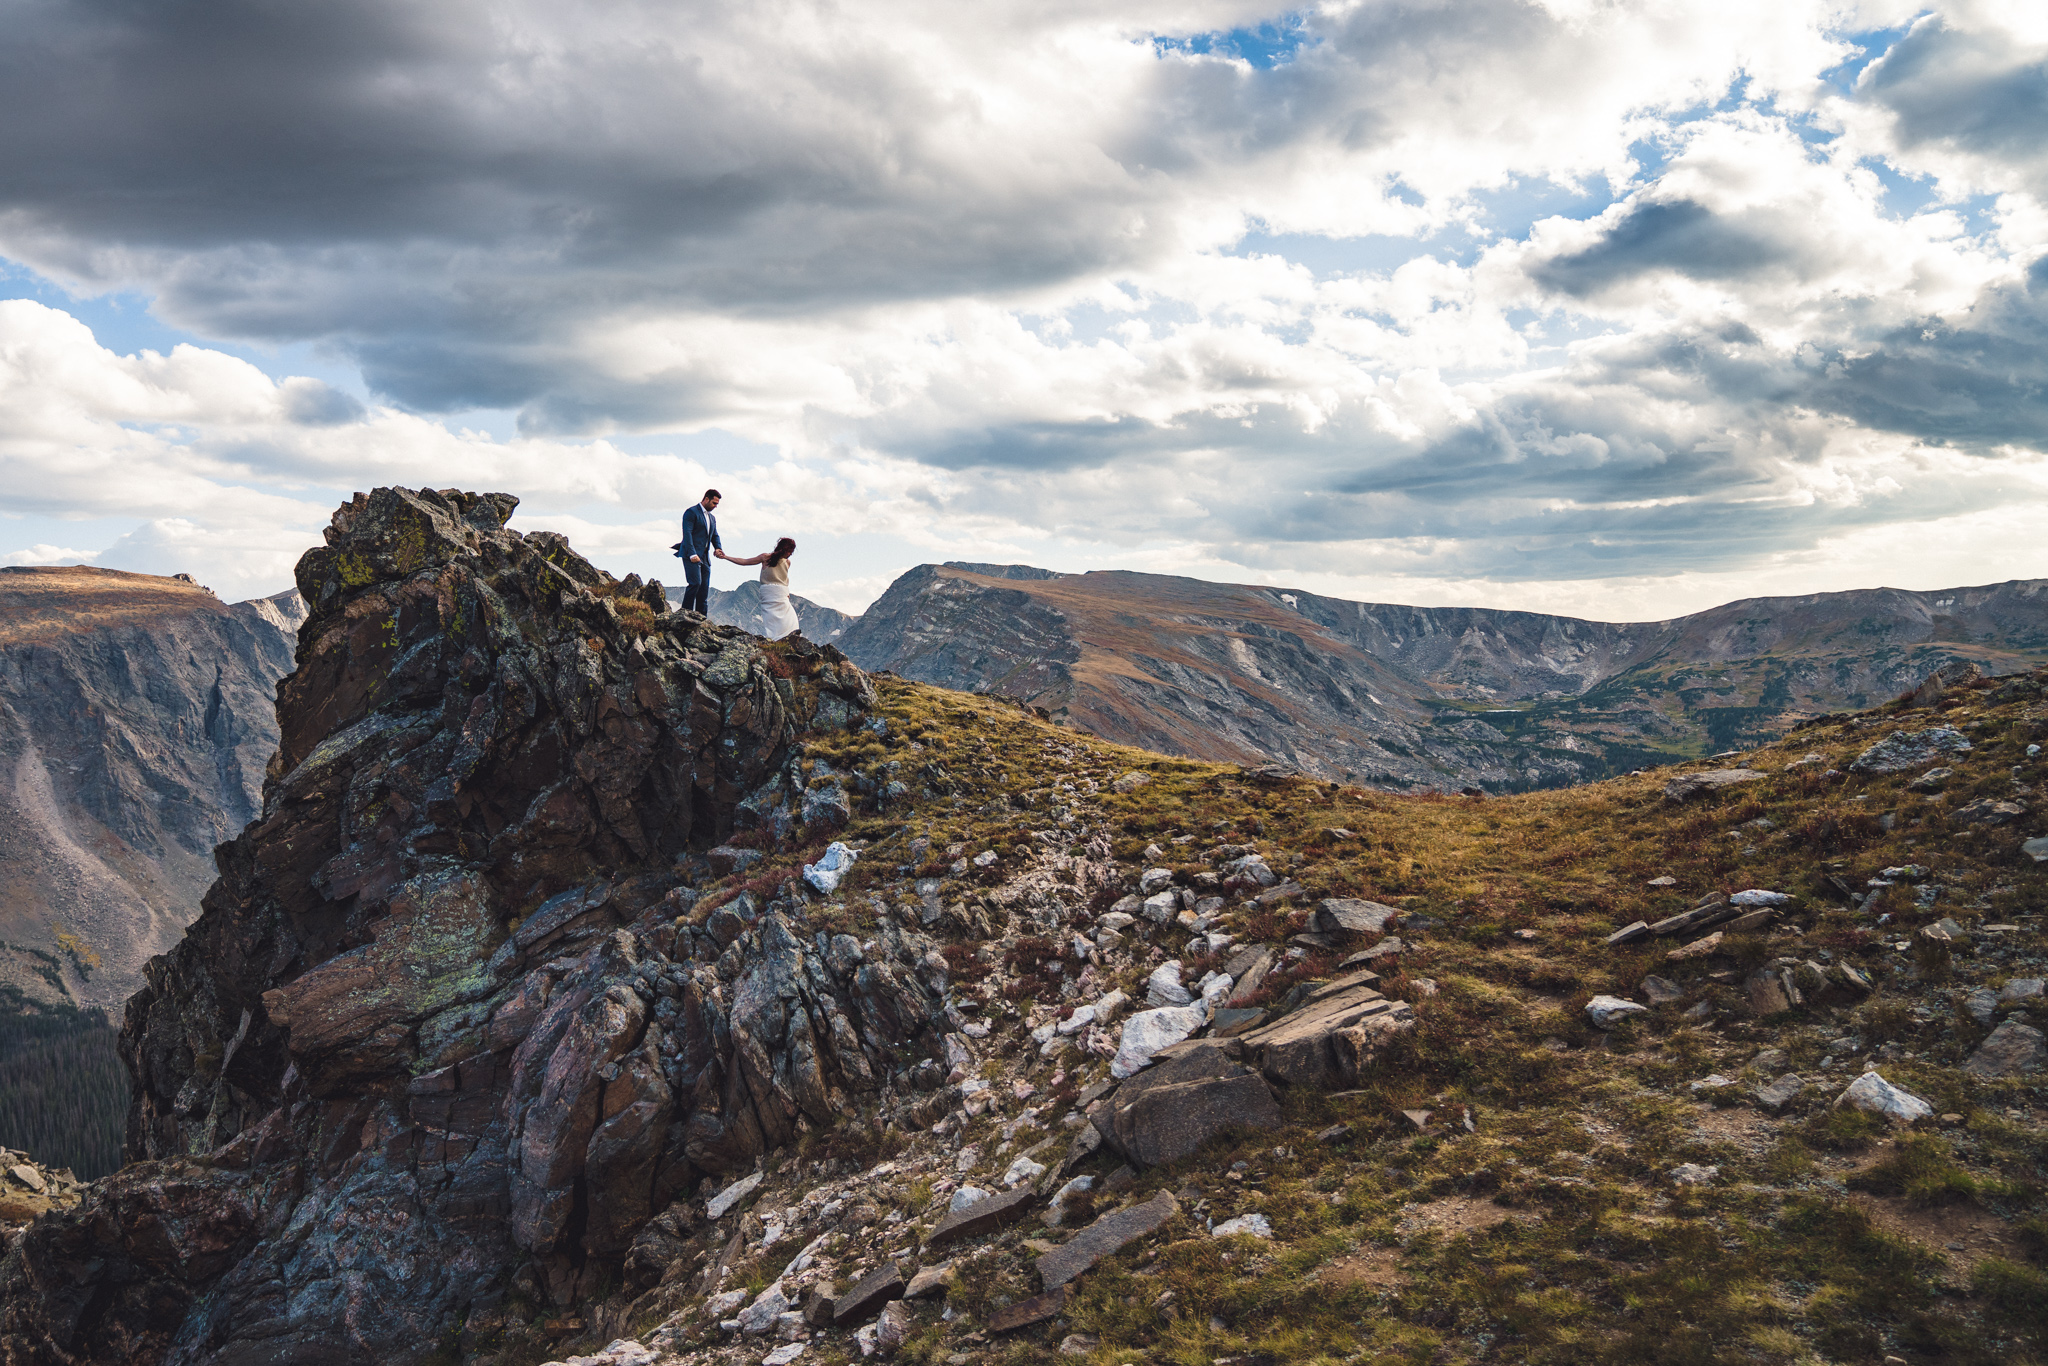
(1612, 308)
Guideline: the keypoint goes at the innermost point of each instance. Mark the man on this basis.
(700, 540)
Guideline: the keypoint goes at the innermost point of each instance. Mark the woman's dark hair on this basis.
(782, 549)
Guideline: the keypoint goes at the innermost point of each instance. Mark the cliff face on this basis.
(440, 1022)
(136, 716)
(1424, 697)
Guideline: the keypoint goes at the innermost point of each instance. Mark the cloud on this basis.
(43, 553)
(976, 278)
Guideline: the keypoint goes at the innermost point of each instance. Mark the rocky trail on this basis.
(603, 985)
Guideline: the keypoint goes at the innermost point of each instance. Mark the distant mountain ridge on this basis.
(137, 714)
(1403, 696)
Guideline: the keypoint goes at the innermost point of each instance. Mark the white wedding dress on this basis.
(776, 616)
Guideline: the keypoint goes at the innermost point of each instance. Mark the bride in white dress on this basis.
(777, 617)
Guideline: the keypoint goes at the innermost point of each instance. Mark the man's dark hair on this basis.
(711, 493)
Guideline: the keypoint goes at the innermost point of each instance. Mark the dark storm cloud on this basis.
(1966, 90)
(1680, 236)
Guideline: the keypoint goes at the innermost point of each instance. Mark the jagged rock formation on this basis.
(441, 1024)
(136, 715)
(1408, 697)
(741, 607)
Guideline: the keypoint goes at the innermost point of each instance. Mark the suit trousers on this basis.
(697, 590)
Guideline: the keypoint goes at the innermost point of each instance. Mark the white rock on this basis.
(1872, 1094)
(805, 1258)
(1074, 1023)
(1116, 920)
(1055, 1208)
(1693, 1174)
(1045, 1031)
(1161, 907)
(782, 1356)
(758, 1317)
(723, 1306)
(1216, 990)
(1757, 897)
(1155, 880)
(1148, 1031)
(1712, 1082)
(1163, 987)
(965, 1196)
(1255, 1224)
(2022, 989)
(739, 1190)
(621, 1352)
(1607, 1011)
(985, 858)
(827, 871)
(1022, 1170)
(2036, 849)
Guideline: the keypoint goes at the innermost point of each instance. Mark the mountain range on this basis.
(1424, 697)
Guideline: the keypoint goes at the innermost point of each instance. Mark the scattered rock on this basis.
(1666, 881)
(1130, 782)
(1698, 948)
(1901, 750)
(1078, 1344)
(1981, 1005)
(929, 1280)
(867, 1297)
(1931, 781)
(1256, 1225)
(1022, 1170)
(1629, 933)
(1607, 1011)
(784, 1355)
(1693, 1174)
(1758, 897)
(1024, 1313)
(1872, 1094)
(1686, 786)
(1107, 1235)
(722, 1203)
(1149, 1031)
(1781, 1092)
(824, 875)
(1163, 987)
(1659, 991)
(758, 1317)
(1956, 673)
(1988, 811)
(1772, 990)
(2023, 989)
(1347, 917)
(2012, 1050)
(892, 1329)
(966, 1196)
(981, 1218)
(2036, 849)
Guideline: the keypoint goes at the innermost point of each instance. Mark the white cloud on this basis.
(972, 277)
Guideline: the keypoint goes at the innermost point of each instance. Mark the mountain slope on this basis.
(136, 716)
(1423, 697)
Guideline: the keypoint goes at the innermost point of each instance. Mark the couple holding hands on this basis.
(700, 544)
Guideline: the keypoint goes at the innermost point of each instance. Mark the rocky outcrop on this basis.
(740, 606)
(136, 716)
(448, 1020)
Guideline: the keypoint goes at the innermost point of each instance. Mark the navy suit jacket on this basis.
(700, 533)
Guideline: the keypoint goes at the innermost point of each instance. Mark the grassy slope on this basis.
(1551, 1231)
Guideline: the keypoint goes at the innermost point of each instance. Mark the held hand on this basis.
(721, 554)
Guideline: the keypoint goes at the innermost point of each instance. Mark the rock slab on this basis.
(2012, 1050)
(981, 1218)
(1106, 1236)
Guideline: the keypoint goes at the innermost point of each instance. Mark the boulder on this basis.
(1249, 1225)
(1330, 1038)
(1024, 1313)
(1659, 991)
(1988, 811)
(1164, 988)
(1349, 918)
(1686, 786)
(1780, 1093)
(1106, 1236)
(1148, 1031)
(1773, 989)
(929, 1280)
(1902, 750)
(892, 1328)
(1607, 1011)
(867, 1296)
(981, 1218)
(1872, 1094)
(2012, 1050)
(1957, 673)
(2023, 989)
(1194, 1092)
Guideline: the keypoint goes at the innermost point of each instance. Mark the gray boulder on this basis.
(2012, 1050)
(1331, 1037)
(1902, 750)
(1192, 1092)
(1348, 917)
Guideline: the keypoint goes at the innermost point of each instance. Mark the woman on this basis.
(777, 617)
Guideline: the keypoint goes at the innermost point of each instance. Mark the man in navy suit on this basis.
(700, 541)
